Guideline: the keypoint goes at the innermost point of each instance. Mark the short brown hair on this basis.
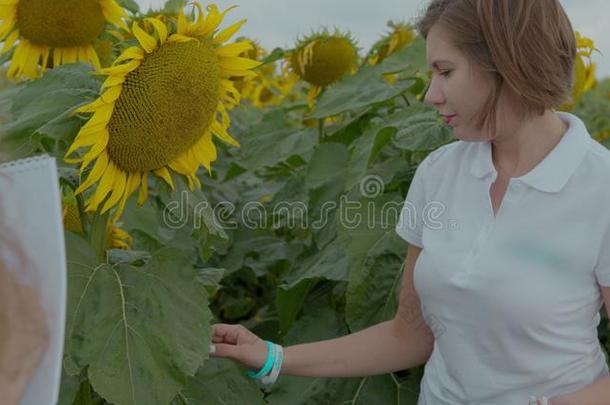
(528, 45)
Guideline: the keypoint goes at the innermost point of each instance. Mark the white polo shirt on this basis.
(513, 300)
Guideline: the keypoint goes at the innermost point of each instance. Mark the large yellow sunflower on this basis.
(68, 27)
(160, 105)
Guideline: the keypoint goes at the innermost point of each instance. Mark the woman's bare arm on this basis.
(401, 343)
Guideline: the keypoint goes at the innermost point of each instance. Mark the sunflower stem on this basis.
(320, 129)
(97, 236)
(84, 220)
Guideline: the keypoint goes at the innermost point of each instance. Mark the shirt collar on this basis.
(554, 171)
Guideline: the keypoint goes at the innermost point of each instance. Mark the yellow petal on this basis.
(104, 187)
(134, 52)
(114, 13)
(234, 49)
(227, 33)
(121, 69)
(133, 181)
(92, 57)
(160, 28)
(222, 134)
(238, 63)
(85, 140)
(180, 38)
(94, 152)
(148, 43)
(164, 174)
(70, 55)
(182, 24)
(143, 195)
(114, 80)
(10, 41)
(118, 189)
(96, 173)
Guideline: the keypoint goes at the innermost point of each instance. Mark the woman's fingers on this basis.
(224, 350)
(225, 333)
(238, 343)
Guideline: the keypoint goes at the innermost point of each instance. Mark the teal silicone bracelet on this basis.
(267, 366)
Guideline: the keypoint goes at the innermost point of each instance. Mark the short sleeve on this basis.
(410, 221)
(602, 268)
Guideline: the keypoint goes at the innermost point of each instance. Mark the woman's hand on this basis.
(238, 343)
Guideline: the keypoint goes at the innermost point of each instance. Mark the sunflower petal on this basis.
(160, 28)
(99, 167)
(118, 189)
(114, 80)
(103, 188)
(164, 174)
(9, 42)
(133, 181)
(180, 38)
(134, 52)
(234, 49)
(227, 33)
(148, 43)
(222, 134)
(143, 195)
(121, 69)
(93, 58)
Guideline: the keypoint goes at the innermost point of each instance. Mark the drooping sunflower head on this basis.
(323, 58)
(161, 104)
(584, 71)
(400, 35)
(257, 52)
(51, 33)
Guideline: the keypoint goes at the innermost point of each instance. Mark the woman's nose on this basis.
(434, 95)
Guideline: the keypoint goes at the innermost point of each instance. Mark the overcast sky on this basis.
(278, 22)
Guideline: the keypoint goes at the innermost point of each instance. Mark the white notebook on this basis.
(31, 203)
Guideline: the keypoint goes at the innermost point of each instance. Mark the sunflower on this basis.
(268, 88)
(321, 59)
(160, 105)
(68, 27)
(400, 35)
(584, 71)
(115, 236)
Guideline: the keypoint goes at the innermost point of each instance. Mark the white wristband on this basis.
(270, 378)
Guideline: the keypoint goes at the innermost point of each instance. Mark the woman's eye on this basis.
(445, 73)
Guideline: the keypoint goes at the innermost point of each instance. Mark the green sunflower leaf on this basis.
(41, 111)
(220, 382)
(140, 331)
(365, 88)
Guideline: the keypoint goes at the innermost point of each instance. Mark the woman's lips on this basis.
(449, 118)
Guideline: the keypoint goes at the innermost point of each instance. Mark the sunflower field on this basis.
(206, 179)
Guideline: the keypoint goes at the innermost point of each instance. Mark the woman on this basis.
(503, 306)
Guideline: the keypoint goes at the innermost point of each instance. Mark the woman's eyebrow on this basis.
(436, 63)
